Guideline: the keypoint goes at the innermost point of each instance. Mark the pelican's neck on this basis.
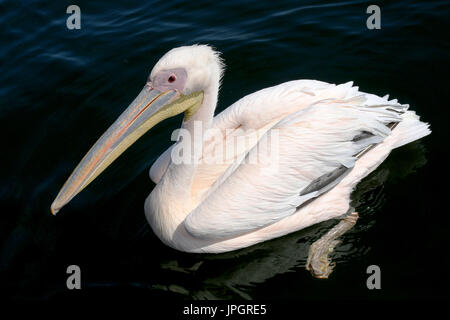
(205, 113)
(194, 129)
(171, 200)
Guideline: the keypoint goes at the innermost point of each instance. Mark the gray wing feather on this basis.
(329, 180)
(326, 181)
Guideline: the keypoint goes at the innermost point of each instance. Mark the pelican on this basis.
(328, 137)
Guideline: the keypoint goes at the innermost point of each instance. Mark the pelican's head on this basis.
(187, 69)
(176, 84)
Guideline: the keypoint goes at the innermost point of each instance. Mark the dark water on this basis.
(61, 89)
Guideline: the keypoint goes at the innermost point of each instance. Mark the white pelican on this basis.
(329, 137)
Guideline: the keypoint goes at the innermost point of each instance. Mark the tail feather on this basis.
(410, 129)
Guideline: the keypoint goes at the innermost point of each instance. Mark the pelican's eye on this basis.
(172, 78)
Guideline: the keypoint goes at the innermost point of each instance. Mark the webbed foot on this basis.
(319, 263)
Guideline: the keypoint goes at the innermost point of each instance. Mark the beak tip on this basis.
(53, 209)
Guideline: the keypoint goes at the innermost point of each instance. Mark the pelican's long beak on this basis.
(148, 109)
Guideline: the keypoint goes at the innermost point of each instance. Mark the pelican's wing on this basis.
(248, 119)
(317, 146)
